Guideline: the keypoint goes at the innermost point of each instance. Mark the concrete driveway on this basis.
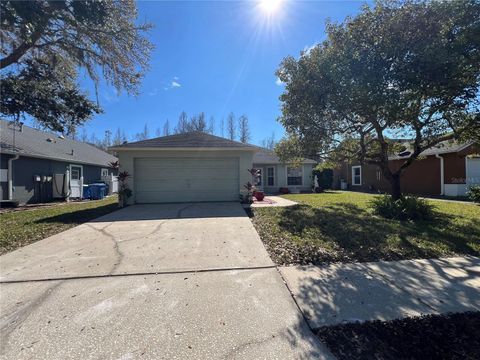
(181, 281)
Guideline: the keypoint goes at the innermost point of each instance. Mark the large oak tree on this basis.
(45, 43)
(398, 69)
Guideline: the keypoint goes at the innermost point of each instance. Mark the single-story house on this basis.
(274, 174)
(196, 166)
(446, 169)
(38, 166)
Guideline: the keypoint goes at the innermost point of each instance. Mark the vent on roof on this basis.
(50, 140)
(61, 136)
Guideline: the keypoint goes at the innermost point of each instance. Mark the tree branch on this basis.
(17, 53)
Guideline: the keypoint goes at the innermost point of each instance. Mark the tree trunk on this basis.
(395, 190)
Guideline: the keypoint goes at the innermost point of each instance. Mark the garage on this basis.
(188, 167)
(473, 171)
(171, 180)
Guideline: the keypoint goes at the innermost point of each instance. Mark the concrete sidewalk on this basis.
(342, 293)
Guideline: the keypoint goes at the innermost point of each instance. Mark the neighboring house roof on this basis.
(27, 141)
(195, 139)
(445, 147)
(265, 156)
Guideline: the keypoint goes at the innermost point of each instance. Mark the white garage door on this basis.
(473, 171)
(186, 180)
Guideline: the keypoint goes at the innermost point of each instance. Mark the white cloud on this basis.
(174, 84)
(279, 82)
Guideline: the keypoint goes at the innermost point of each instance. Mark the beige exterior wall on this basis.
(127, 157)
(281, 177)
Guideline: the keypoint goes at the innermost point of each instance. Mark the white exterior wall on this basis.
(126, 160)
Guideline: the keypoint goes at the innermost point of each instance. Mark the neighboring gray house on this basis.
(31, 160)
(201, 167)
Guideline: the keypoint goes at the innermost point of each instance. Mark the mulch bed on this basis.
(452, 336)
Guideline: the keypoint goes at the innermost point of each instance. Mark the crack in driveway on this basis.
(116, 248)
(9, 321)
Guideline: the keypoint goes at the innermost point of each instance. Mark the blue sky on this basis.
(217, 57)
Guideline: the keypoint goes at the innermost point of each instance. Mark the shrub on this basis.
(473, 193)
(324, 175)
(405, 208)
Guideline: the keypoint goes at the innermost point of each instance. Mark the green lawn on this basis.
(339, 226)
(20, 228)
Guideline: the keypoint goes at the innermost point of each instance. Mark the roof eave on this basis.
(183, 148)
(38, 156)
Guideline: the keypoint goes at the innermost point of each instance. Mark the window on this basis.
(75, 175)
(271, 176)
(378, 175)
(294, 176)
(356, 175)
(104, 172)
(257, 181)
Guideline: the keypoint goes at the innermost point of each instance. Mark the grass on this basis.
(452, 336)
(20, 228)
(339, 226)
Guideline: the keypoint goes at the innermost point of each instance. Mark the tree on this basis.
(84, 136)
(243, 129)
(211, 125)
(269, 142)
(98, 36)
(117, 139)
(231, 126)
(222, 127)
(405, 70)
(166, 128)
(107, 139)
(182, 124)
(49, 95)
(198, 123)
(144, 135)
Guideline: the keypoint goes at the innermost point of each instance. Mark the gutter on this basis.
(10, 176)
(442, 174)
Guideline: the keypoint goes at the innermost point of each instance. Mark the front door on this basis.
(76, 181)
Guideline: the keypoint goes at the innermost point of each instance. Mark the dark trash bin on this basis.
(97, 191)
(86, 191)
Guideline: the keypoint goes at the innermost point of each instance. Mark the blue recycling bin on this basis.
(97, 191)
(86, 191)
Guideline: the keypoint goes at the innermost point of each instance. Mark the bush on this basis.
(324, 176)
(473, 193)
(405, 208)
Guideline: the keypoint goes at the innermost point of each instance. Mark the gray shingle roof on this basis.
(444, 147)
(194, 139)
(37, 143)
(268, 157)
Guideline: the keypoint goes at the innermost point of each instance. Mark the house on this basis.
(446, 169)
(38, 166)
(201, 167)
(274, 174)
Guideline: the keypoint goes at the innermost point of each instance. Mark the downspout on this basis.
(442, 174)
(10, 176)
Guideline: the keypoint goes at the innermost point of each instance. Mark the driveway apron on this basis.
(172, 281)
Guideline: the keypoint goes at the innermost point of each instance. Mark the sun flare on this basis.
(270, 6)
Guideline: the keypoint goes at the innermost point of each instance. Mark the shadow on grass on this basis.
(75, 216)
(346, 232)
